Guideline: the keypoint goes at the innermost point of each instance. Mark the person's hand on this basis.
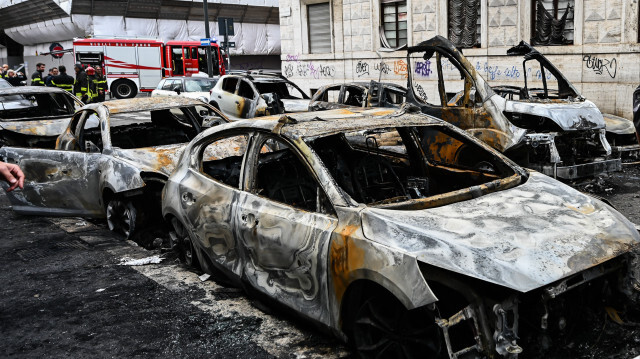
(12, 174)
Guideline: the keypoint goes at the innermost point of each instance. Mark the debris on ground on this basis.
(142, 261)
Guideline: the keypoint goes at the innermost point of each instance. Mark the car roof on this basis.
(324, 123)
(146, 104)
(265, 77)
(22, 90)
(191, 77)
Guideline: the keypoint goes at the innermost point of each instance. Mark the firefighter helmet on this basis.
(90, 71)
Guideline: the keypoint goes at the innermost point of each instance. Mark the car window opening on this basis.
(34, 106)
(222, 159)
(283, 177)
(379, 167)
(150, 128)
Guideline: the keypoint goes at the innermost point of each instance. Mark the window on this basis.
(245, 90)
(354, 96)
(394, 22)
(229, 84)
(331, 94)
(176, 61)
(222, 159)
(552, 22)
(319, 20)
(464, 23)
(282, 177)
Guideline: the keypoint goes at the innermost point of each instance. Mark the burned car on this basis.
(111, 161)
(403, 250)
(34, 116)
(550, 128)
(358, 94)
(250, 94)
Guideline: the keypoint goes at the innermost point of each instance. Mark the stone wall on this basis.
(603, 63)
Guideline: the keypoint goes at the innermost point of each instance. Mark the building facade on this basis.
(594, 43)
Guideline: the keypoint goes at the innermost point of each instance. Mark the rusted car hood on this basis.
(37, 128)
(618, 125)
(291, 105)
(159, 159)
(522, 238)
(569, 115)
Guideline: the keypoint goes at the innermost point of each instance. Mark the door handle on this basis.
(188, 198)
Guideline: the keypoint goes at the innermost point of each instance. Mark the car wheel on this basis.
(124, 89)
(182, 243)
(383, 328)
(123, 216)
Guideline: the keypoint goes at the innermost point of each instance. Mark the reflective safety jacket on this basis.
(92, 92)
(36, 79)
(81, 86)
(63, 81)
(101, 84)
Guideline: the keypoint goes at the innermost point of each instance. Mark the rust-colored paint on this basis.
(344, 257)
(588, 209)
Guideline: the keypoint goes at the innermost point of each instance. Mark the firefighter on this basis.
(63, 80)
(36, 78)
(81, 86)
(4, 72)
(101, 84)
(92, 93)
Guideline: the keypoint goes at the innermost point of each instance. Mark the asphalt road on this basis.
(69, 289)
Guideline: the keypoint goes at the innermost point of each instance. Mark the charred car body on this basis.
(551, 129)
(112, 160)
(358, 94)
(249, 95)
(406, 250)
(34, 116)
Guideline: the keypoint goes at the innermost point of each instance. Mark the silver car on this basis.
(111, 161)
(371, 223)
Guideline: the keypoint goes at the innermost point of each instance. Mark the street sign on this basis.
(232, 44)
(205, 42)
(229, 26)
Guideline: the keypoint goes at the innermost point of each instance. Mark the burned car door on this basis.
(228, 101)
(327, 97)
(284, 223)
(209, 194)
(61, 181)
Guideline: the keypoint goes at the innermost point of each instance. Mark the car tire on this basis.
(123, 216)
(383, 328)
(182, 243)
(124, 89)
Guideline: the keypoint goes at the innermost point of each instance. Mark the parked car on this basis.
(636, 108)
(191, 87)
(358, 94)
(112, 161)
(34, 116)
(551, 128)
(407, 251)
(249, 95)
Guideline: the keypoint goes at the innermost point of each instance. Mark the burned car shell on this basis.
(521, 233)
(79, 178)
(500, 121)
(372, 94)
(40, 130)
(239, 95)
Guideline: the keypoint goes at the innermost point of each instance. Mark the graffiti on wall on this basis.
(295, 67)
(382, 67)
(400, 68)
(362, 68)
(601, 66)
(423, 68)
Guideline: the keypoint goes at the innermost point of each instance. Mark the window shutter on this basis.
(319, 20)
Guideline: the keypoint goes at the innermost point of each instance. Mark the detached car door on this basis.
(58, 182)
(284, 223)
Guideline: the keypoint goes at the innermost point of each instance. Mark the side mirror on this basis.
(177, 90)
(91, 147)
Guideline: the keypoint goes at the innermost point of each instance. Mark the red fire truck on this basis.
(133, 65)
